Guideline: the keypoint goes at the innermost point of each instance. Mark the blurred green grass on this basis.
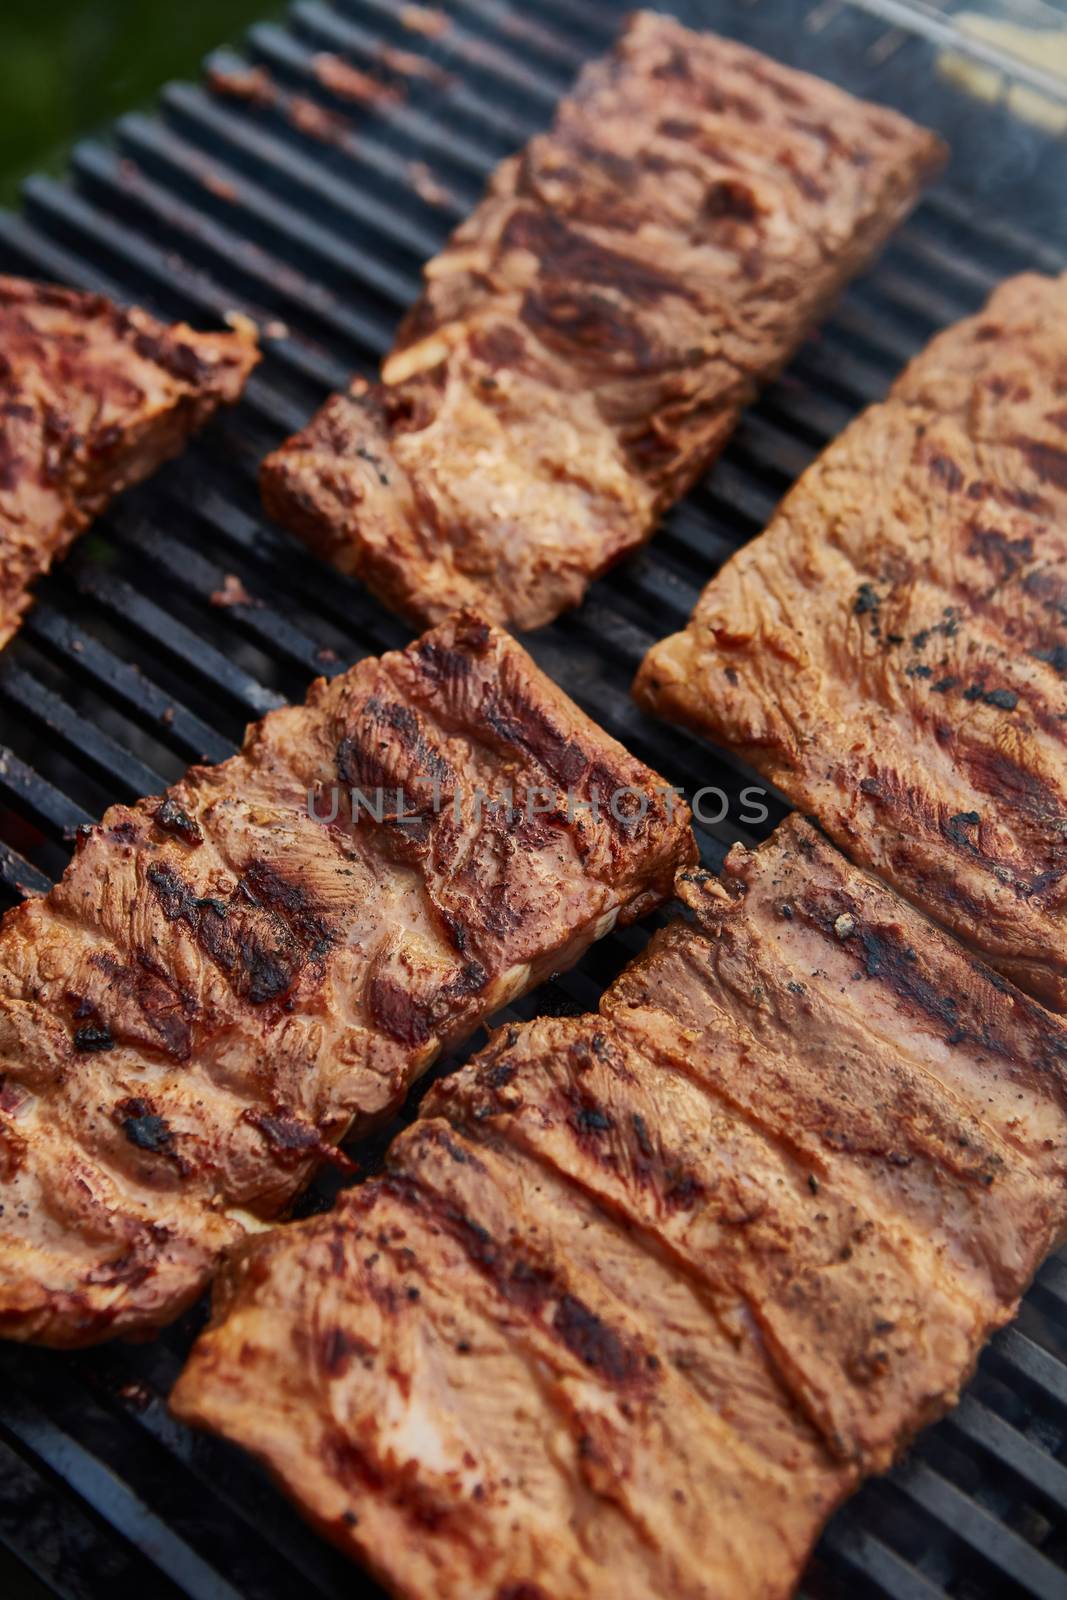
(68, 66)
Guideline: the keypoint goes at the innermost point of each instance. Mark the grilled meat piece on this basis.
(223, 984)
(585, 342)
(892, 652)
(92, 399)
(644, 1294)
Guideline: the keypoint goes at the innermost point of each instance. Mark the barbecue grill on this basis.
(308, 199)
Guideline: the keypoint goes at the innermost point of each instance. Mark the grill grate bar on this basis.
(60, 723)
(1040, 1472)
(1027, 1363)
(127, 686)
(868, 1560)
(1014, 1563)
(114, 1500)
(191, 653)
(19, 876)
(25, 789)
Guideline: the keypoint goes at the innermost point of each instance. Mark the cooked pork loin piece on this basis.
(226, 982)
(92, 399)
(586, 340)
(644, 1294)
(892, 652)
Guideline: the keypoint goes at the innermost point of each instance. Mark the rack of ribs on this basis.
(642, 1295)
(232, 978)
(585, 342)
(892, 652)
(93, 398)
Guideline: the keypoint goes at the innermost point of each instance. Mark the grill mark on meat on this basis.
(299, 975)
(167, 1013)
(262, 958)
(94, 399)
(842, 1318)
(293, 1140)
(266, 886)
(826, 717)
(676, 1186)
(362, 764)
(535, 1291)
(591, 375)
(572, 257)
(396, 1012)
(1007, 556)
(1047, 461)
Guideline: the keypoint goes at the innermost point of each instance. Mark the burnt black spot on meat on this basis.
(1046, 586)
(594, 1342)
(570, 258)
(170, 818)
(90, 1039)
(519, 1281)
(644, 1143)
(866, 600)
(143, 1128)
(591, 1119)
(956, 829)
(730, 199)
(499, 1075)
(945, 470)
(996, 773)
(176, 899)
(999, 699)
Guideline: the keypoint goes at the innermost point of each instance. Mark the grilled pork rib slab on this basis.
(585, 342)
(92, 399)
(644, 1294)
(222, 985)
(892, 651)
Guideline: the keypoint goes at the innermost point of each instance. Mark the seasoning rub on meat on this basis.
(92, 399)
(586, 340)
(644, 1294)
(222, 985)
(892, 652)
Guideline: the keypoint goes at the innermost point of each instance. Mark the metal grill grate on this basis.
(313, 212)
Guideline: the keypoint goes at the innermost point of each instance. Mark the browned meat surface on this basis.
(221, 988)
(644, 1294)
(92, 399)
(585, 342)
(892, 652)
